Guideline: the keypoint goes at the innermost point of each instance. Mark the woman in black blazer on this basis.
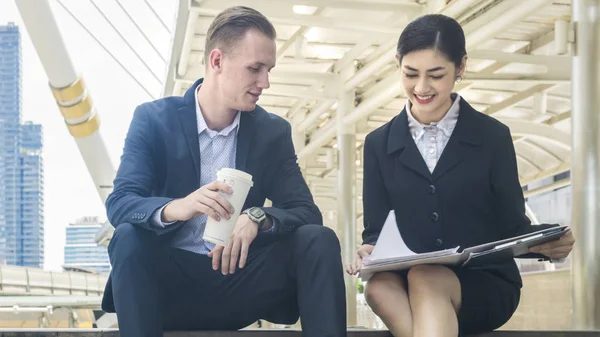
(450, 174)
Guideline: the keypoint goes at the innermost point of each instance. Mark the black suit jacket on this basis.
(472, 197)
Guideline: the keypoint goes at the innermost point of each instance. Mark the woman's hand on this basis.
(557, 249)
(363, 251)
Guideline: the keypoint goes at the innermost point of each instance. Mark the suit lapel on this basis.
(399, 139)
(245, 135)
(412, 158)
(462, 142)
(189, 123)
(451, 156)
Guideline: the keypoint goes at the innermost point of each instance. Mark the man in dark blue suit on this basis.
(280, 264)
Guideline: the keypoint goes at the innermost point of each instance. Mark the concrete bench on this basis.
(266, 333)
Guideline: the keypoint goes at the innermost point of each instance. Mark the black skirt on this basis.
(488, 301)
(488, 298)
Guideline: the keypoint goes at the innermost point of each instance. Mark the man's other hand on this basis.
(244, 233)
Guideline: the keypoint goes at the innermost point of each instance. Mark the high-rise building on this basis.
(21, 165)
(81, 249)
(31, 251)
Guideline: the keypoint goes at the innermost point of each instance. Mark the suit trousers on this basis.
(287, 276)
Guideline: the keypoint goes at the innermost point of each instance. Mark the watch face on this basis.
(256, 212)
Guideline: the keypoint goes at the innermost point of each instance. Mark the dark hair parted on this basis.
(231, 25)
(437, 32)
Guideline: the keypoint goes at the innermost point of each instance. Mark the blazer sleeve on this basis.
(507, 191)
(376, 203)
(131, 200)
(293, 204)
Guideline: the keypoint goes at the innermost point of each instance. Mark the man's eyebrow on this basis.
(261, 64)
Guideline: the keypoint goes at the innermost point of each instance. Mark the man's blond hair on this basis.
(231, 25)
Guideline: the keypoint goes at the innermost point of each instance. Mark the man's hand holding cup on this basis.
(207, 200)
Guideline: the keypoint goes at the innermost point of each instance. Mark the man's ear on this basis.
(215, 60)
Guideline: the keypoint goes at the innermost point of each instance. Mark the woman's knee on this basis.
(380, 286)
(433, 280)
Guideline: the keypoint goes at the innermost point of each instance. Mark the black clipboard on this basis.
(501, 251)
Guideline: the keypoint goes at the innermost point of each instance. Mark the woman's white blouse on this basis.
(432, 139)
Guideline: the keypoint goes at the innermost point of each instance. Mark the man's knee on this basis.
(318, 238)
(129, 243)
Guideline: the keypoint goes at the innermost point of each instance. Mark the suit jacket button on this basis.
(439, 242)
(434, 217)
(431, 189)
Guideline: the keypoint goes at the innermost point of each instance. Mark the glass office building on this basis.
(21, 164)
(81, 249)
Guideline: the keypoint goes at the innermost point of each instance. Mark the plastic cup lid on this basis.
(236, 174)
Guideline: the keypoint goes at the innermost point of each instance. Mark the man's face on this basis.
(245, 70)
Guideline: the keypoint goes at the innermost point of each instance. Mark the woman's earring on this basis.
(459, 79)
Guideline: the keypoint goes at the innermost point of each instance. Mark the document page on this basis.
(391, 248)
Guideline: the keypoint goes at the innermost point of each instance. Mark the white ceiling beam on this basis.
(294, 109)
(565, 99)
(387, 114)
(368, 70)
(396, 19)
(499, 18)
(310, 77)
(355, 5)
(564, 167)
(529, 163)
(533, 46)
(347, 60)
(557, 76)
(523, 142)
(544, 60)
(559, 118)
(195, 72)
(390, 88)
(540, 103)
(286, 90)
(458, 7)
(547, 188)
(519, 127)
(187, 44)
(541, 42)
(314, 115)
(313, 21)
(299, 34)
(516, 99)
(290, 91)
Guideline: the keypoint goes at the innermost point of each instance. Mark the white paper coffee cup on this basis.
(219, 232)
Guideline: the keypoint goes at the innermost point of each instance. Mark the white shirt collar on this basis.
(446, 125)
(202, 126)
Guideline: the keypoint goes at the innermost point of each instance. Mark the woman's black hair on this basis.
(434, 31)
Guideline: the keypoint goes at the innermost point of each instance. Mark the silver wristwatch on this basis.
(257, 215)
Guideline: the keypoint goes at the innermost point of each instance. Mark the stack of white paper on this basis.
(391, 252)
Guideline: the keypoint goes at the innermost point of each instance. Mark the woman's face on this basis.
(428, 79)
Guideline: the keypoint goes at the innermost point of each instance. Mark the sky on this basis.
(69, 190)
